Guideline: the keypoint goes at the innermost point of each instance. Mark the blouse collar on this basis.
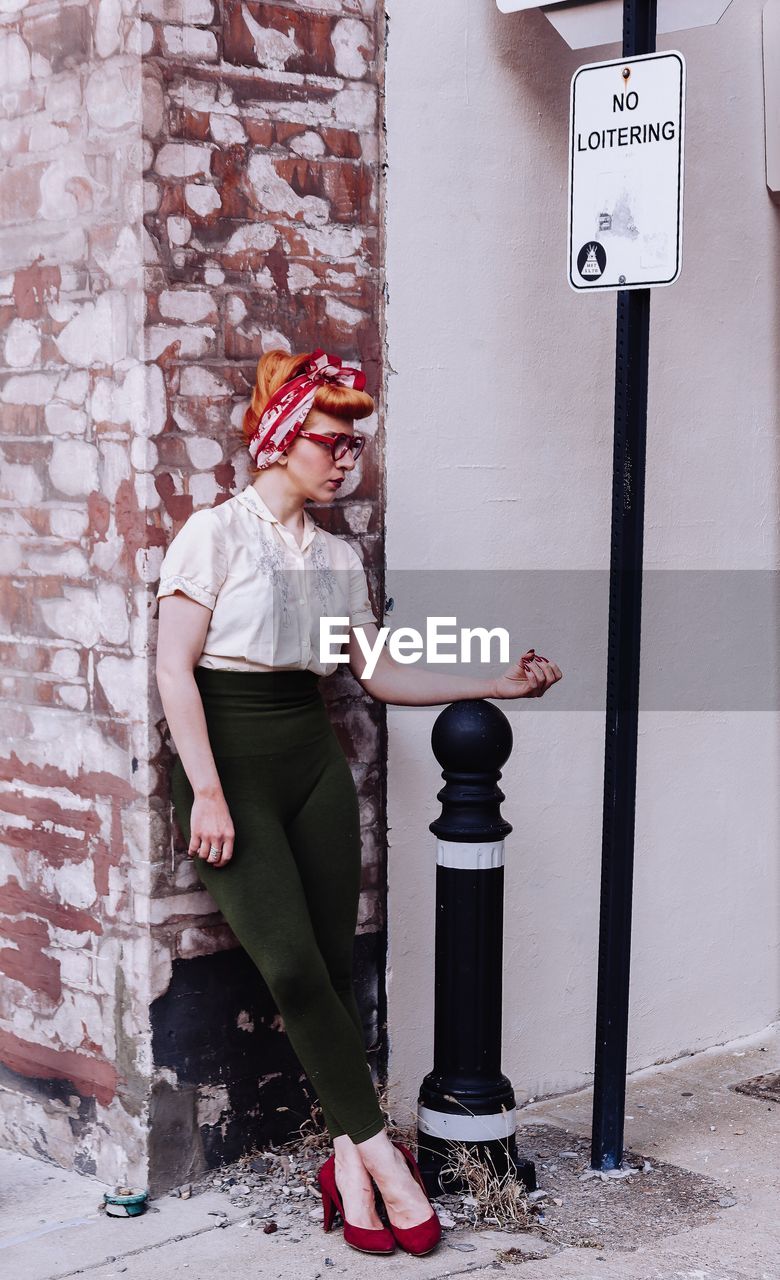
(250, 498)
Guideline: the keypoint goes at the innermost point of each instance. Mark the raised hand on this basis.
(529, 677)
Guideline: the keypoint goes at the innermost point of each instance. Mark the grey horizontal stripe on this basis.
(464, 1128)
(470, 857)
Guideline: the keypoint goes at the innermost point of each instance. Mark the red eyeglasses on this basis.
(338, 444)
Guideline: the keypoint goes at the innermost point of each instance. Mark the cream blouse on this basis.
(267, 593)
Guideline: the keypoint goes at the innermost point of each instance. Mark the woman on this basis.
(261, 787)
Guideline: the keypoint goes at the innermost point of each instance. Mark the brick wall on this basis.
(184, 185)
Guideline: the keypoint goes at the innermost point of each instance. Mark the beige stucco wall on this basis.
(486, 339)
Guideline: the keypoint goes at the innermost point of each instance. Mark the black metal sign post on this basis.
(622, 709)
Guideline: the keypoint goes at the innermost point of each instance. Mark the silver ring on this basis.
(213, 850)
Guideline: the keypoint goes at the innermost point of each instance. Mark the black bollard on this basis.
(466, 1097)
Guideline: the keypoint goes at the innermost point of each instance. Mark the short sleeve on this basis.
(195, 561)
(360, 610)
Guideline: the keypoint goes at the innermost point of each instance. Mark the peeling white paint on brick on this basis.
(161, 968)
(309, 144)
(213, 1103)
(98, 333)
(114, 468)
(9, 865)
(73, 386)
(356, 106)
(203, 199)
(108, 553)
(254, 235)
(114, 625)
(225, 129)
(107, 27)
(63, 97)
(147, 380)
(183, 160)
(359, 516)
(192, 305)
(181, 905)
(143, 454)
(277, 196)
(73, 467)
(58, 564)
(123, 681)
(196, 95)
(112, 96)
(152, 197)
(236, 309)
(179, 229)
(332, 241)
(73, 695)
(19, 483)
(194, 941)
(29, 388)
(11, 559)
(273, 48)
(63, 420)
(68, 188)
(203, 452)
(14, 60)
(197, 12)
(65, 662)
(75, 616)
(272, 338)
(122, 265)
(324, 6)
(299, 276)
(153, 105)
(204, 489)
(339, 311)
(146, 494)
(22, 344)
(349, 39)
(147, 563)
(189, 42)
(68, 522)
(197, 381)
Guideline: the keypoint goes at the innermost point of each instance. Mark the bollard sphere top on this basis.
(472, 736)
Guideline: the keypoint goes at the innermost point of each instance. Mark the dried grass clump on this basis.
(498, 1199)
(312, 1137)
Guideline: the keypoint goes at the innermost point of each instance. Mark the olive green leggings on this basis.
(290, 891)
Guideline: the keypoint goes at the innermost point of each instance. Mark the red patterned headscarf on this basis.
(286, 411)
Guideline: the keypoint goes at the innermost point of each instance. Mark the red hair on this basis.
(276, 367)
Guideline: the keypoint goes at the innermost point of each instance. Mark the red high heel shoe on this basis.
(426, 1235)
(366, 1239)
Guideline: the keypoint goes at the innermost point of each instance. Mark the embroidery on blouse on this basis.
(324, 581)
(269, 559)
(178, 583)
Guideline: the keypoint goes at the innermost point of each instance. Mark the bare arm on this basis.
(183, 624)
(412, 686)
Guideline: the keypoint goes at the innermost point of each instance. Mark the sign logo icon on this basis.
(591, 260)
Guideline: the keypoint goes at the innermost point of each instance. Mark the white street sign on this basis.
(626, 172)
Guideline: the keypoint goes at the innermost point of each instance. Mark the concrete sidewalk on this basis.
(700, 1203)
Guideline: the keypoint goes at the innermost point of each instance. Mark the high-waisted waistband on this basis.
(261, 712)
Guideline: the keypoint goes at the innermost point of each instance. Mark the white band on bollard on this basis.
(493, 1127)
(482, 856)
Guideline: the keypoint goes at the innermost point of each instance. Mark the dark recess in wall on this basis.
(196, 1033)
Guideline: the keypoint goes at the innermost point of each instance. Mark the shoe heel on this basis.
(328, 1209)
